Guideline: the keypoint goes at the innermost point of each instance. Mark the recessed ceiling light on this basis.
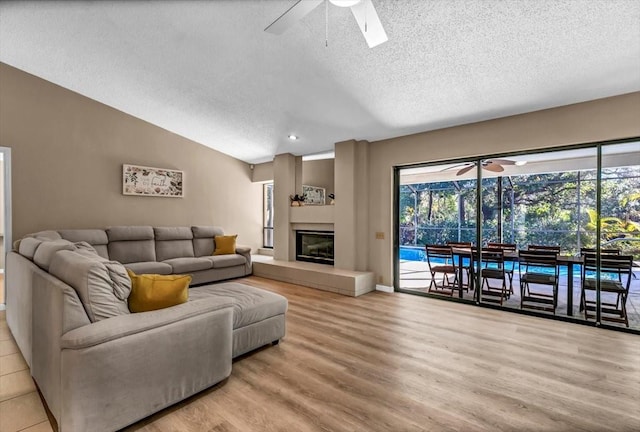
(293, 137)
(521, 162)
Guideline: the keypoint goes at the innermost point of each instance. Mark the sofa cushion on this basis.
(150, 267)
(41, 236)
(28, 246)
(203, 239)
(173, 242)
(129, 244)
(47, 249)
(45, 235)
(87, 249)
(250, 305)
(153, 291)
(188, 265)
(102, 286)
(173, 233)
(128, 233)
(222, 261)
(95, 237)
(225, 245)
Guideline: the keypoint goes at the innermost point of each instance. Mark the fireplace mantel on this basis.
(312, 214)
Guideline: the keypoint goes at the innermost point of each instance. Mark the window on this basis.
(267, 215)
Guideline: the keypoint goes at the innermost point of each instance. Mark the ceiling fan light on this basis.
(521, 162)
(344, 3)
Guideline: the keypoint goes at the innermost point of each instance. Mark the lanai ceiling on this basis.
(207, 70)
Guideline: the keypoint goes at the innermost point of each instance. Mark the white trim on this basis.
(8, 225)
(384, 288)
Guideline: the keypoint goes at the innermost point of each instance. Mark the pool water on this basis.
(408, 253)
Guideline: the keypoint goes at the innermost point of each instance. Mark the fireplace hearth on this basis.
(314, 246)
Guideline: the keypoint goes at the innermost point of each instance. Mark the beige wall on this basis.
(599, 120)
(262, 172)
(351, 225)
(1, 220)
(67, 156)
(319, 173)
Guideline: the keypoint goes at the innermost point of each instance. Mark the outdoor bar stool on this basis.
(492, 265)
(468, 268)
(506, 247)
(440, 261)
(615, 280)
(538, 269)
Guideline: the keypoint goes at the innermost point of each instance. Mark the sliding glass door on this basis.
(568, 204)
(437, 207)
(618, 301)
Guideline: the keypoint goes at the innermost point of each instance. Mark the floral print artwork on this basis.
(140, 180)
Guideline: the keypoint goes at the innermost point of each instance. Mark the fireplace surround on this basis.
(314, 246)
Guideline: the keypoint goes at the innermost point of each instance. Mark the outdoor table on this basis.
(568, 261)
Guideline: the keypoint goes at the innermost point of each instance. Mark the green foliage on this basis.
(552, 208)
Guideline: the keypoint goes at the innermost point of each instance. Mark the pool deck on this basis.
(415, 276)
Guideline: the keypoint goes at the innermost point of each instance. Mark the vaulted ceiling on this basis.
(207, 70)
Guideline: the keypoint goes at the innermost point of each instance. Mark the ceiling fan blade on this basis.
(294, 14)
(369, 23)
(502, 161)
(491, 166)
(465, 169)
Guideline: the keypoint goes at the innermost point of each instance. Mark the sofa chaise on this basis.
(100, 367)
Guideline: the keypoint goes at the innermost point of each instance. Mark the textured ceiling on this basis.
(207, 70)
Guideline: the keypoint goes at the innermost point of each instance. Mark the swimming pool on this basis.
(409, 253)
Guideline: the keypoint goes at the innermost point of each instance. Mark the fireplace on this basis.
(314, 246)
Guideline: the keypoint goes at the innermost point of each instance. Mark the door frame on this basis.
(8, 224)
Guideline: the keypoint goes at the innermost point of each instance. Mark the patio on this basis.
(415, 276)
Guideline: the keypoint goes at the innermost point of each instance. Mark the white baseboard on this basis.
(384, 288)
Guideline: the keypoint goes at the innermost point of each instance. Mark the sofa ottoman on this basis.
(258, 315)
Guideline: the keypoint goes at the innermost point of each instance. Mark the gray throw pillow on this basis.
(103, 286)
(47, 250)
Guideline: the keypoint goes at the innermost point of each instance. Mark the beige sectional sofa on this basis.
(100, 367)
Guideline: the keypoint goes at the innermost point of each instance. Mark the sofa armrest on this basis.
(245, 251)
(122, 369)
(127, 325)
(242, 250)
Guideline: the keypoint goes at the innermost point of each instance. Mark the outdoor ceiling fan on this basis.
(494, 165)
(363, 11)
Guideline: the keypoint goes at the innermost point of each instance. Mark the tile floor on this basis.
(20, 406)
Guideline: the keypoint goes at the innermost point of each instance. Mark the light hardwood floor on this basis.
(397, 362)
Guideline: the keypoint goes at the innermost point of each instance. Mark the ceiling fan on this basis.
(363, 11)
(494, 165)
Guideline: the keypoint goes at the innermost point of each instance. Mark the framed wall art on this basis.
(313, 195)
(149, 181)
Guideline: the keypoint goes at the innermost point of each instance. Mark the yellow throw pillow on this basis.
(151, 291)
(225, 245)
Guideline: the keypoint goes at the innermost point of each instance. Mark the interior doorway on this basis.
(5, 216)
